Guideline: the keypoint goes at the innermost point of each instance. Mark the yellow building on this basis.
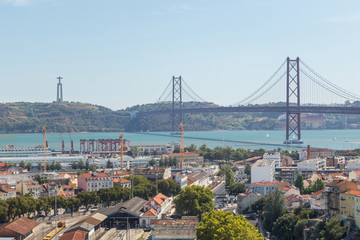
(347, 204)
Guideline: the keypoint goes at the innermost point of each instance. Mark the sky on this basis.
(118, 53)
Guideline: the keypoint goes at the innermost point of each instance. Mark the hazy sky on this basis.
(119, 53)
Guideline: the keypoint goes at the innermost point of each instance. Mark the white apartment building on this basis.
(312, 164)
(353, 165)
(181, 180)
(263, 170)
(354, 176)
(274, 156)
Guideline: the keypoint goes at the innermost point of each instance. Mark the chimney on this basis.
(308, 152)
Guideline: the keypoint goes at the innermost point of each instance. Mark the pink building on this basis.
(94, 181)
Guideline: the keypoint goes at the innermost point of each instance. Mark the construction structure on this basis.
(45, 146)
(59, 96)
(182, 146)
(104, 146)
(122, 149)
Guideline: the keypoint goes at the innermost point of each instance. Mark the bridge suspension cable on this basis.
(336, 89)
(159, 99)
(251, 96)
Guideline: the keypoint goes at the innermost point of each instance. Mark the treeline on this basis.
(225, 153)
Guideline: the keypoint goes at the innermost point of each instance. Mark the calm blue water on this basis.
(333, 139)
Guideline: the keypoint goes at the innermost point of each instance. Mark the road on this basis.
(220, 195)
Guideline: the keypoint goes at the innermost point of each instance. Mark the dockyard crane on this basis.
(182, 146)
(45, 146)
(122, 149)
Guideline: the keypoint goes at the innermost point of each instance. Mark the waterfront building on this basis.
(93, 182)
(158, 149)
(264, 187)
(274, 156)
(263, 170)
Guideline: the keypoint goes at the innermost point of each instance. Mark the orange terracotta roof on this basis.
(357, 172)
(21, 225)
(179, 154)
(151, 212)
(267, 183)
(353, 192)
(5, 173)
(306, 196)
(161, 196)
(318, 192)
(74, 235)
(285, 188)
(98, 175)
(2, 164)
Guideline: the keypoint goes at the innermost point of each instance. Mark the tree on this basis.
(273, 208)
(248, 169)
(39, 166)
(93, 168)
(22, 164)
(80, 164)
(333, 230)
(52, 166)
(135, 151)
(194, 201)
(259, 205)
(191, 148)
(88, 198)
(87, 165)
(3, 210)
(109, 164)
(80, 172)
(236, 188)
(229, 177)
(74, 165)
(218, 225)
(299, 183)
(28, 166)
(152, 162)
(168, 187)
(58, 166)
(284, 227)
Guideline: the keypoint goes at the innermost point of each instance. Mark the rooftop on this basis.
(21, 226)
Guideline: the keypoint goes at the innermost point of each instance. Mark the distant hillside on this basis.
(75, 117)
(80, 117)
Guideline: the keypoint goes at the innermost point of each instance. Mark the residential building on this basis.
(246, 199)
(264, 187)
(334, 161)
(181, 180)
(293, 201)
(154, 173)
(157, 149)
(191, 159)
(263, 170)
(312, 164)
(287, 174)
(94, 181)
(332, 194)
(18, 229)
(318, 200)
(32, 187)
(155, 208)
(274, 156)
(6, 191)
(357, 210)
(49, 189)
(66, 191)
(353, 165)
(354, 176)
(123, 182)
(347, 204)
(203, 179)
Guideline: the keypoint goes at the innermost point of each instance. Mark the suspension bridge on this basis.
(306, 91)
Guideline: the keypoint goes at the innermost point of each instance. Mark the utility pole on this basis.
(44, 135)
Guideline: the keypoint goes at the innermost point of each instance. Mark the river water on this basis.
(333, 139)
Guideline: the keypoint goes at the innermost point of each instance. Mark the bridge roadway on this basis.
(279, 109)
